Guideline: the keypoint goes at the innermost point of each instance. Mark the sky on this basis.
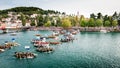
(84, 7)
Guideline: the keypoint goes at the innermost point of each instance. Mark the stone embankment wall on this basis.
(94, 29)
(91, 29)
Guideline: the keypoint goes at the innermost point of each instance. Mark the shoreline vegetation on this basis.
(39, 19)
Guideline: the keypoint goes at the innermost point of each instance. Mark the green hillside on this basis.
(28, 10)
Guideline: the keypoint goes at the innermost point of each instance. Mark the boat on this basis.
(8, 45)
(5, 47)
(37, 35)
(54, 43)
(2, 50)
(13, 34)
(103, 31)
(38, 39)
(74, 33)
(51, 36)
(35, 40)
(40, 43)
(12, 44)
(27, 55)
(62, 32)
(56, 33)
(44, 49)
(67, 39)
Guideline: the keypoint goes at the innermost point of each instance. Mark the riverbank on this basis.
(81, 29)
(97, 29)
(88, 29)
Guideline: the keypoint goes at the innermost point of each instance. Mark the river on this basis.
(89, 50)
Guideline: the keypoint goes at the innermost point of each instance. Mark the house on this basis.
(34, 15)
(28, 23)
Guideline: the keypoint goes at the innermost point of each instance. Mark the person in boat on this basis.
(23, 55)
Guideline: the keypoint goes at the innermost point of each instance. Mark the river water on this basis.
(89, 50)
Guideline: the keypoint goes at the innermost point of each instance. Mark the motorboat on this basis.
(103, 31)
(13, 34)
(2, 50)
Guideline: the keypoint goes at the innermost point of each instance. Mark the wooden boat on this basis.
(5, 47)
(37, 35)
(54, 43)
(44, 49)
(51, 36)
(35, 40)
(12, 44)
(27, 55)
(38, 44)
(8, 45)
(66, 40)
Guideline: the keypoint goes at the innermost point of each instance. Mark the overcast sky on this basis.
(84, 7)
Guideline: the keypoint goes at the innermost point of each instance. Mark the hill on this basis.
(28, 10)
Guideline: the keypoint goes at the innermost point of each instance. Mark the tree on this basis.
(66, 23)
(114, 17)
(40, 20)
(99, 16)
(99, 22)
(93, 16)
(4, 15)
(114, 23)
(81, 19)
(107, 23)
(105, 18)
(0, 17)
(76, 19)
(53, 21)
(23, 18)
(84, 23)
(48, 24)
(110, 19)
(73, 21)
(46, 19)
(58, 21)
(91, 22)
(119, 19)
(32, 23)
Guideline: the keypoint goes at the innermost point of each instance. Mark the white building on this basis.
(34, 15)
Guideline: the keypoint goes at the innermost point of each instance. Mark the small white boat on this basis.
(13, 34)
(103, 31)
(2, 50)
